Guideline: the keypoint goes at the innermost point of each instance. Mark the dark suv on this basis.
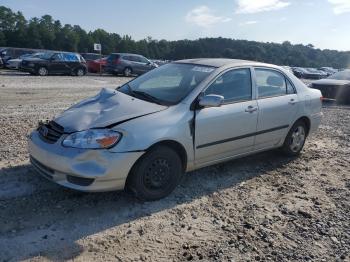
(55, 63)
(128, 64)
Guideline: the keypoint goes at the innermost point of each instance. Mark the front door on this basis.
(278, 105)
(57, 64)
(228, 130)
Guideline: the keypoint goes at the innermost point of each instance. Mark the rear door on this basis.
(228, 130)
(278, 106)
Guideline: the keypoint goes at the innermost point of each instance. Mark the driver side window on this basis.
(234, 86)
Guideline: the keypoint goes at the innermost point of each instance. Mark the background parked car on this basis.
(308, 73)
(329, 70)
(95, 66)
(91, 56)
(14, 63)
(128, 64)
(314, 73)
(336, 87)
(8, 53)
(55, 63)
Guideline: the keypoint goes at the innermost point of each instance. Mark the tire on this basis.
(80, 72)
(295, 140)
(127, 71)
(42, 71)
(156, 174)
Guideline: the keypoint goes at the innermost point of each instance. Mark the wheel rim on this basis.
(80, 72)
(127, 72)
(42, 71)
(157, 174)
(298, 139)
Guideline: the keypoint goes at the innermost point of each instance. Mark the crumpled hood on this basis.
(334, 82)
(106, 108)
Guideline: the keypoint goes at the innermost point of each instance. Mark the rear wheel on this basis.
(156, 174)
(127, 72)
(295, 139)
(42, 71)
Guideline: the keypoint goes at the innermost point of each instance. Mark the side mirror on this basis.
(211, 101)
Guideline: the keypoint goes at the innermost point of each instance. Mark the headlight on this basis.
(93, 139)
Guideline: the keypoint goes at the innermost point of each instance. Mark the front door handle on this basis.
(292, 101)
(251, 109)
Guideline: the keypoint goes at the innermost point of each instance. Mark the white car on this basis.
(14, 63)
(178, 117)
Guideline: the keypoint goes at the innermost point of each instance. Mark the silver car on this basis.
(182, 116)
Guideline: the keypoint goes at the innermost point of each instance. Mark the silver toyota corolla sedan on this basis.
(182, 116)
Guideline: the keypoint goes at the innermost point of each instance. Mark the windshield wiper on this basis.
(147, 96)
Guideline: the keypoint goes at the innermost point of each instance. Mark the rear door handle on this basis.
(292, 101)
(251, 109)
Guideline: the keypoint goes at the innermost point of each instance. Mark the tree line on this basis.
(47, 33)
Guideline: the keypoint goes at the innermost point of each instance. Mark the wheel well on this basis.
(177, 147)
(307, 123)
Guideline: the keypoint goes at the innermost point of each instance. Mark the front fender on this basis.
(172, 124)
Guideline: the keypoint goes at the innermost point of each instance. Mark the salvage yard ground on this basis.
(264, 207)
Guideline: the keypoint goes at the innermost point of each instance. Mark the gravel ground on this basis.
(263, 207)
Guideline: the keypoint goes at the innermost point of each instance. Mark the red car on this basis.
(95, 66)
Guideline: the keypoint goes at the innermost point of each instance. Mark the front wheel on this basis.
(42, 71)
(295, 139)
(156, 174)
(80, 72)
(127, 72)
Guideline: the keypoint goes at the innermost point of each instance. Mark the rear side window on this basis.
(272, 83)
(234, 86)
(133, 58)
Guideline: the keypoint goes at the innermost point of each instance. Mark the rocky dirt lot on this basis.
(264, 207)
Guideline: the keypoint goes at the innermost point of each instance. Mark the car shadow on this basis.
(50, 219)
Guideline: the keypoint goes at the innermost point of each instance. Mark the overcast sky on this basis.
(323, 23)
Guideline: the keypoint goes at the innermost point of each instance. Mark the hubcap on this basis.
(42, 71)
(157, 174)
(80, 72)
(298, 138)
(127, 72)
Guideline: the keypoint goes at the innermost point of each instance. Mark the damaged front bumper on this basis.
(81, 169)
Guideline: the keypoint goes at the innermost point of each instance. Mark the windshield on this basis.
(167, 84)
(343, 75)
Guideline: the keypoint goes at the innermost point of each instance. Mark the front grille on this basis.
(50, 132)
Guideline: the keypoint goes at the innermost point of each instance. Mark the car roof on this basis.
(222, 62)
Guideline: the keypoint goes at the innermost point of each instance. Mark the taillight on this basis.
(321, 98)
